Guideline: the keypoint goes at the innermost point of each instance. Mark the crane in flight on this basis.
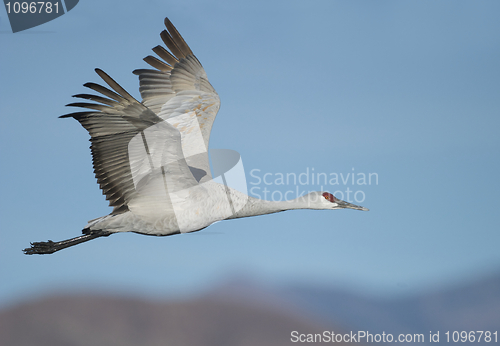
(151, 158)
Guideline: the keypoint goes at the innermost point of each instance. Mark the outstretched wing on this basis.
(178, 91)
(132, 148)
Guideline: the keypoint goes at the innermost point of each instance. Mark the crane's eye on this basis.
(328, 196)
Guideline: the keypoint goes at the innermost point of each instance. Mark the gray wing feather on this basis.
(177, 74)
(117, 121)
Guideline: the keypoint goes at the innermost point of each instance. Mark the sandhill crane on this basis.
(151, 159)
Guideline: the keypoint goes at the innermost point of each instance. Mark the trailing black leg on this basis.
(48, 247)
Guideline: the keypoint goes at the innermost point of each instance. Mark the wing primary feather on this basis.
(140, 71)
(114, 85)
(90, 106)
(178, 38)
(165, 55)
(76, 115)
(170, 43)
(97, 99)
(155, 62)
(105, 91)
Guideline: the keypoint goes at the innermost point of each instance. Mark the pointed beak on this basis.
(344, 204)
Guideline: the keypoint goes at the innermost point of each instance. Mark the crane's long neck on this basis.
(256, 206)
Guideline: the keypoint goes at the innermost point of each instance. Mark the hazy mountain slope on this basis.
(242, 312)
(473, 306)
(89, 320)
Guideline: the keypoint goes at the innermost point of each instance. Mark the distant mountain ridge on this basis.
(243, 312)
(103, 320)
(473, 306)
(469, 307)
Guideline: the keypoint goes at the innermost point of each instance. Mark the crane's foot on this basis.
(43, 247)
(48, 247)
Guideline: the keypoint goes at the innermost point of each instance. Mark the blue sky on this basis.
(405, 90)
